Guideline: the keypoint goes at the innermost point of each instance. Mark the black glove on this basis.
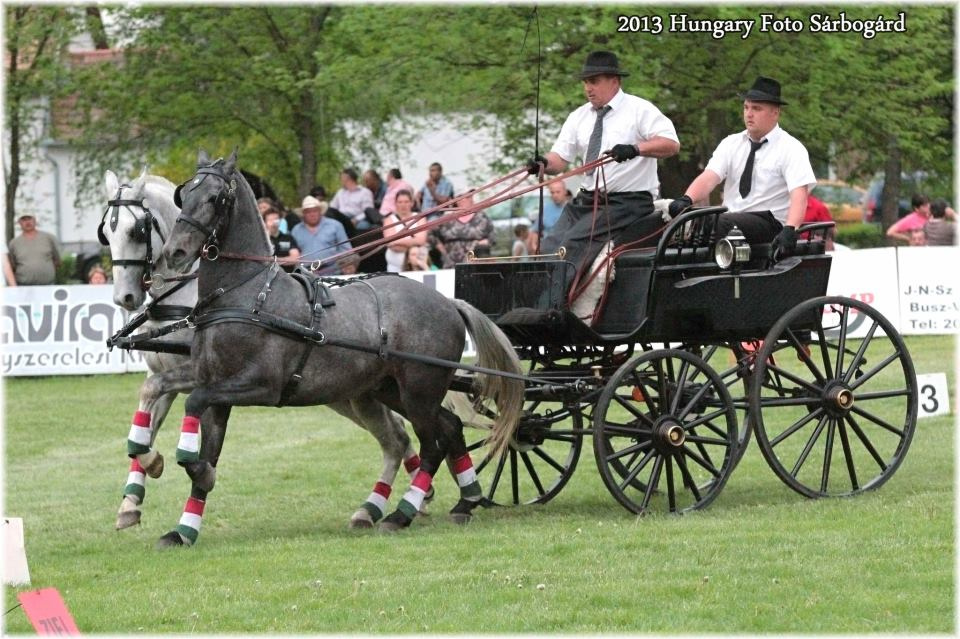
(679, 205)
(623, 152)
(533, 166)
(785, 242)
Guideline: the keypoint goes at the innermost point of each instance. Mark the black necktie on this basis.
(593, 146)
(747, 176)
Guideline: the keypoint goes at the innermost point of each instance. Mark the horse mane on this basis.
(159, 180)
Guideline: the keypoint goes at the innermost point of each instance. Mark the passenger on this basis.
(630, 127)
(766, 174)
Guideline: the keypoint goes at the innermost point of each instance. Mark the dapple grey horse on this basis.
(265, 338)
(138, 217)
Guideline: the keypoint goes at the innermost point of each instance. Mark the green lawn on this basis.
(275, 556)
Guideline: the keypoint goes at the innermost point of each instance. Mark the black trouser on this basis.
(583, 238)
(759, 227)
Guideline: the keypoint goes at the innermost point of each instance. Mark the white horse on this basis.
(136, 222)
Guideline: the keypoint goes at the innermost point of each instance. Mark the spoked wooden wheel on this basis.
(733, 362)
(834, 398)
(542, 457)
(665, 433)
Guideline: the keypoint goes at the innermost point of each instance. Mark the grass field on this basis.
(275, 556)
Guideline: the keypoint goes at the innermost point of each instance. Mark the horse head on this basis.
(206, 201)
(134, 225)
(218, 211)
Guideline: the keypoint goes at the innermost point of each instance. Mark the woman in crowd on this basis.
(396, 222)
(469, 232)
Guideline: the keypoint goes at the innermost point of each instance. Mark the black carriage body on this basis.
(669, 296)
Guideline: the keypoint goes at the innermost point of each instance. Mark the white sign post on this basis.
(934, 395)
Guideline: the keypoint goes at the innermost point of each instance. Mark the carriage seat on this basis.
(759, 254)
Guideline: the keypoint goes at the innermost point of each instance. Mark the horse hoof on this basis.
(127, 519)
(395, 522)
(461, 518)
(152, 463)
(171, 540)
(361, 520)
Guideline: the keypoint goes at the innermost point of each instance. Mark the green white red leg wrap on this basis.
(135, 481)
(189, 526)
(376, 503)
(188, 449)
(138, 441)
(413, 498)
(467, 478)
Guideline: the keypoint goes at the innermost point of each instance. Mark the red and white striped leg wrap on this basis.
(189, 526)
(188, 449)
(138, 441)
(376, 503)
(413, 498)
(466, 477)
(135, 481)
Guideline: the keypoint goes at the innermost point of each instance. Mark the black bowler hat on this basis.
(601, 63)
(764, 90)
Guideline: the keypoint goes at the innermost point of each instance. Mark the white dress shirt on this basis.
(779, 166)
(630, 120)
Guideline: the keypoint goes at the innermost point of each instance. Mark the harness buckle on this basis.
(210, 252)
(382, 354)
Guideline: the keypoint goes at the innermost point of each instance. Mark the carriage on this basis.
(698, 344)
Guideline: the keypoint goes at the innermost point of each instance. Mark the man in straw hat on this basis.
(318, 236)
(631, 130)
(766, 173)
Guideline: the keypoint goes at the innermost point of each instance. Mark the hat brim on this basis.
(591, 72)
(760, 96)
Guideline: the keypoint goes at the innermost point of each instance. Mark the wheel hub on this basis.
(669, 435)
(838, 399)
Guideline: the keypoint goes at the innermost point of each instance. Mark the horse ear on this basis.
(110, 183)
(137, 187)
(202, 158)
(231, 163)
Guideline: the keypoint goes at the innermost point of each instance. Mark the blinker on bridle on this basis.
(222, 204)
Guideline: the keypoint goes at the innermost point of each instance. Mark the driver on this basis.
(628, 127)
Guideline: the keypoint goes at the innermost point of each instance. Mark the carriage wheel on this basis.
(542, 456)
(667, 419)
(733, 362)
(834, 398)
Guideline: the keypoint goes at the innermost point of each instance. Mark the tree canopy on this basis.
(304, 90)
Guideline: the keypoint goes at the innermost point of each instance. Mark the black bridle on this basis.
(223, 201)
(142, 230)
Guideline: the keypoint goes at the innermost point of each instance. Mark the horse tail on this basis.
(495, 351)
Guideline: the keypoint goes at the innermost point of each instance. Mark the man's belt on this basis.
(585, 193)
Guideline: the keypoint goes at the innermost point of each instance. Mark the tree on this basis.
(35, 41)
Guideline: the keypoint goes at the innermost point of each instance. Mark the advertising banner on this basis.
(62, 330)
(928, 289)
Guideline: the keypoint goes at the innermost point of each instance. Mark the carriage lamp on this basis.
(732, 249)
